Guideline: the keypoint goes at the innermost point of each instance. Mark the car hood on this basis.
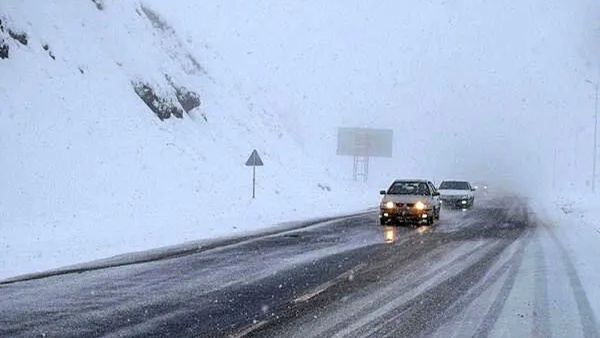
(405, 198)
(452, 192)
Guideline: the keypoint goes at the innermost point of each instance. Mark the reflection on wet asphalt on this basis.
(349, 277)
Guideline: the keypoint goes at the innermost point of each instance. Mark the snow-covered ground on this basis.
(574, 222)
(89, 171)
(577, 216)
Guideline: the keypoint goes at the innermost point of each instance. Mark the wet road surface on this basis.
(490, 271)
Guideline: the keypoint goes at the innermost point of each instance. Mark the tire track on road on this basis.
(512, 266)
(411, 314)
(586, 313)
(541, 314)
(433, 308)
(365, 315)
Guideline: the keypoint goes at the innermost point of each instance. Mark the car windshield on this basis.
(409, 188)
(454, 185)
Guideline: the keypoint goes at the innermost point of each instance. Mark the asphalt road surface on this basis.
(491, 271)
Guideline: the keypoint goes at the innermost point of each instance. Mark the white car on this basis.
(457, 194)
(481, 188)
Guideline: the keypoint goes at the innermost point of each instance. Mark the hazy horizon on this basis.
(473, 89)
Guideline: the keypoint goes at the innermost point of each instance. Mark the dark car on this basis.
(409, 202)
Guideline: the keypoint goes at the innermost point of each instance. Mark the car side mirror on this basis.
(437, 193)
(381, 192)
(473, 189)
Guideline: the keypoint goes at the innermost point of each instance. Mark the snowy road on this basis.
(494, 271)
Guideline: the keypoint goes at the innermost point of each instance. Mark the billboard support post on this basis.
(362, 144)
(361, 168)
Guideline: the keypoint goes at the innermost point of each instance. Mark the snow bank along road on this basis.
(493, 271)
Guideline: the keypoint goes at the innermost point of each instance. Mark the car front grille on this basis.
(451, 199)
(400, 205)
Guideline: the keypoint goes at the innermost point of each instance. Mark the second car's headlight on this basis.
(390, 205)
(420, 205)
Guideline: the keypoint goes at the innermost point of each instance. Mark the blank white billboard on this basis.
(365, 142)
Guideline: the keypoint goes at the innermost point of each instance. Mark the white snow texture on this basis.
(89, 171)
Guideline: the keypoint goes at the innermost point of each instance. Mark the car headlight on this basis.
(420, 205)
(390, 205)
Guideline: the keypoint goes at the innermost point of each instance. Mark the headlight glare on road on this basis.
(420, 205)
(390, 205)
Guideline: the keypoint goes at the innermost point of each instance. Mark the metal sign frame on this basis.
(362, 144)
(254, 161)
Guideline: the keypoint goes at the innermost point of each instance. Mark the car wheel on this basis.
(383, 221)
(430, 220)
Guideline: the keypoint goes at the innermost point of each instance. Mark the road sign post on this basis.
(253, 161)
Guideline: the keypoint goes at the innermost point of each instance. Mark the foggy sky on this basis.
(484, 89)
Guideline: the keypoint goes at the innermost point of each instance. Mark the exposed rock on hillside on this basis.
(163, 107)
(99, 4)
(3, 49)
(19, 36)
(188, 99)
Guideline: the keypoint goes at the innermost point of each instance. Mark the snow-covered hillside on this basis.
(89, 170)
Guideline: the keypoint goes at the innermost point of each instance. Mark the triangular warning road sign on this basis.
(254, 159)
